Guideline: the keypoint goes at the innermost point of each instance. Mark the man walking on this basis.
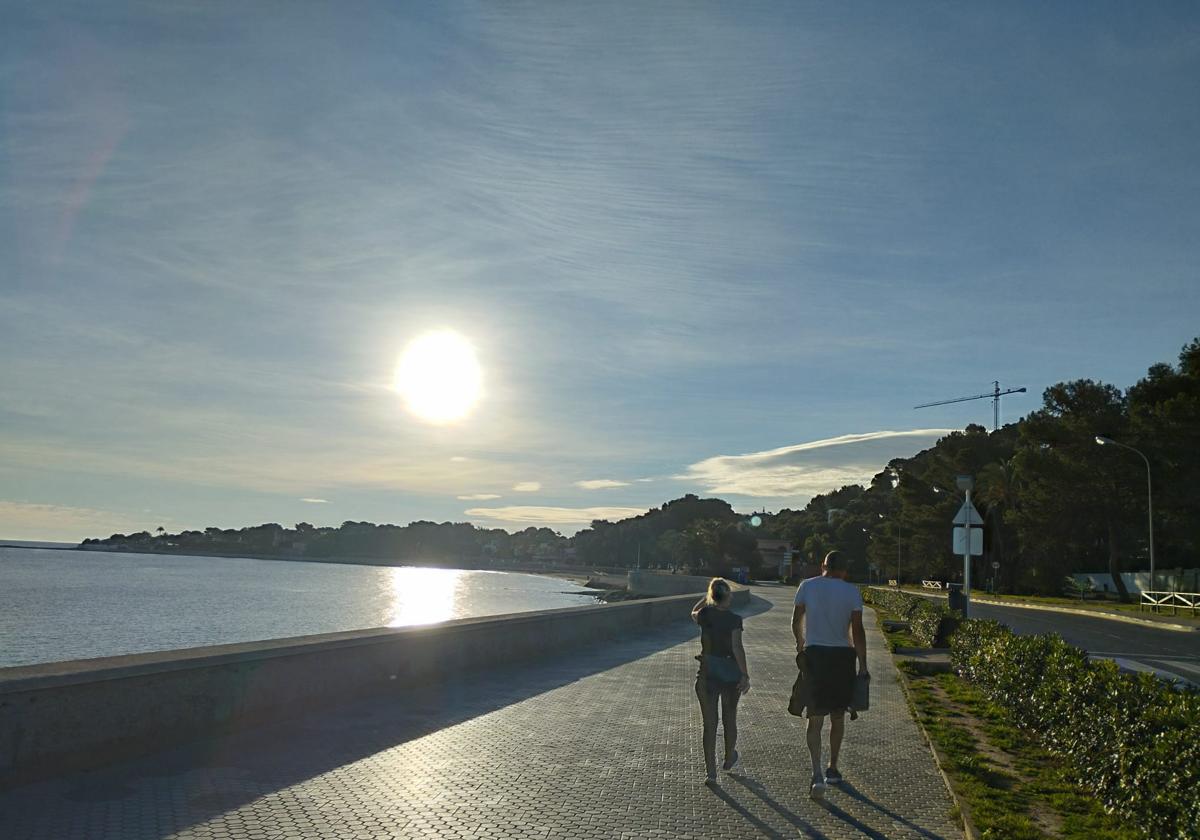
(827, 624)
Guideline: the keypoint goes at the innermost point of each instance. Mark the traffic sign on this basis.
(960, 540)
(967, 515)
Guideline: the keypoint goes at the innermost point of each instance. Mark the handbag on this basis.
(861, 700)
(722, 669)
(800, 698)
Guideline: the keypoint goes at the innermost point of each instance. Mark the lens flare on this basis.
(439, 377)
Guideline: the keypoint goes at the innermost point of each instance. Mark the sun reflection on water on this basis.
(421, 596)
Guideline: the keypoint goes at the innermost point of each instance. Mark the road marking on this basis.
(1108, 654)
(1190, 666)
(1142, 667)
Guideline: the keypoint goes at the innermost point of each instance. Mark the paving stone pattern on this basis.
(598, 744)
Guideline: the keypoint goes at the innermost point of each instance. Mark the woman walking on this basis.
(723, 675)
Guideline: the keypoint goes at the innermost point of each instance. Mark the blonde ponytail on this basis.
(718, 590)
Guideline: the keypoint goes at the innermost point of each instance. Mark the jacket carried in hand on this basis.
(801, 695)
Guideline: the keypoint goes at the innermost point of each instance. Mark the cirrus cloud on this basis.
(600, 484)
(527, 486)
(809, 468)
(538, 515)
(478, 497)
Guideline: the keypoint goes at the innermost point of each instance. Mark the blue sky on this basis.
(698, 247)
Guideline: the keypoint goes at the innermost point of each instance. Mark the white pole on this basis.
(1150, 516)
(967, 560)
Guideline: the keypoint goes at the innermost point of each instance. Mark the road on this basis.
(1134, 646)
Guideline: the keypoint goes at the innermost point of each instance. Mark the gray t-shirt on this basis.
(828, 603)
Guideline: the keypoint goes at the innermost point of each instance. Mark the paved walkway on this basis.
(604, 744)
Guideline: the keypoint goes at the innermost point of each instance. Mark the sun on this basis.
(439, 377)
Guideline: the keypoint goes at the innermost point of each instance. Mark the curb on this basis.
(964, 810)
(1128, 619)
(1161, 625)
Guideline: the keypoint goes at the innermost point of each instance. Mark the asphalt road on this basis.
(1136, 647)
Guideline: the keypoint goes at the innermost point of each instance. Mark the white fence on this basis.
(1185, 579)
(1157, 601)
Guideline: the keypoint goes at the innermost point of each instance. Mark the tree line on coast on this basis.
(1053, 500)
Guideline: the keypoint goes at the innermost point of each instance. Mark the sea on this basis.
(58, 604)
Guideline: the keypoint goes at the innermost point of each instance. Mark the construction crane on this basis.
(994, 397)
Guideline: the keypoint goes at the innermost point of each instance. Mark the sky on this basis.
(712, 248)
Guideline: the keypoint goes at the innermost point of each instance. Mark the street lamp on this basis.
(898, 526)
(1104, 441)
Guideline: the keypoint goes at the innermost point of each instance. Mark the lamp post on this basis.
(895, 487)
(1104, 441)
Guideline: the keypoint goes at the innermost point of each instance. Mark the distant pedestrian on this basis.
(723, 675)
(827, 624)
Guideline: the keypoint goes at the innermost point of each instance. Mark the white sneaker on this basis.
(817, 789)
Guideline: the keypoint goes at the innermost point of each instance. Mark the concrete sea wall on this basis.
(658, 583)
(72, 715)
(654, 583)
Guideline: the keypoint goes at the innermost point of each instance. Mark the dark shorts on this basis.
(830, 673)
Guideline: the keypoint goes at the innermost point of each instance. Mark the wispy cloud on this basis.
(478, 497)
(538, 515)
(315, 501)
(806, 469)
(726, 220)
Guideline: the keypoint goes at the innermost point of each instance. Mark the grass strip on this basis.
(1011, 787)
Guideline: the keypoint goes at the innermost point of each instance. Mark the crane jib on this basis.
(994, 396)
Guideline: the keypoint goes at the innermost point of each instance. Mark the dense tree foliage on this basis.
(1053, 501)
(703, 535)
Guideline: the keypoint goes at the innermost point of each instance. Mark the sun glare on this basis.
(420, 596)
(439, 377)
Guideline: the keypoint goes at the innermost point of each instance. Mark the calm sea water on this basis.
(57, 605)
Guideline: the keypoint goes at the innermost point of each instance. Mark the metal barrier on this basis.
(1155, 601)
(931, 584)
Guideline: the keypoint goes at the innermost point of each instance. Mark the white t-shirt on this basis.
(828, 602)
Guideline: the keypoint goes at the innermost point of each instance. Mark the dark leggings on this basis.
(708, 692)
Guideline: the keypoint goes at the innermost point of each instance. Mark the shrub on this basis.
(929, 622)
(1130, 739)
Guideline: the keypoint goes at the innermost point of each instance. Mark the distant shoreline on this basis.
(58, 547)
(574, 574)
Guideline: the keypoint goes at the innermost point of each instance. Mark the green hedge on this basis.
(929, 622)
(1131, 739)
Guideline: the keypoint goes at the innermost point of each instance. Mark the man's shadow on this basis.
(854, 793)
(758, 824)
(759, 790)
